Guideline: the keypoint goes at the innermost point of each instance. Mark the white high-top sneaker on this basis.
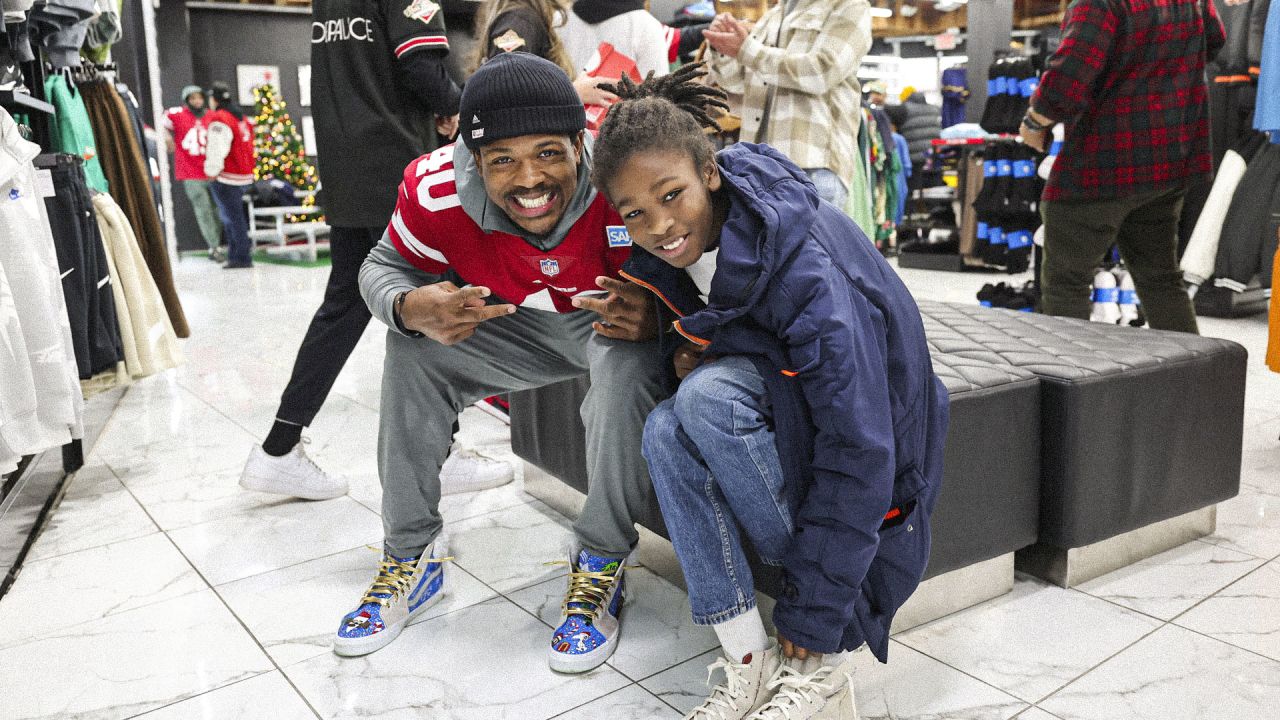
(292, 474)
(745, 688)
(468, 470)
(823, 694)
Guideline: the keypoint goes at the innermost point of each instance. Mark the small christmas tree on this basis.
(281, 153)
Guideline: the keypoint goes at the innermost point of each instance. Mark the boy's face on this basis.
(666, 204)
(531, 177)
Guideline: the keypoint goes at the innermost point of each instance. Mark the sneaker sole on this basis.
(267, 485)
(447, 488)
(355, 647)
(586, 662)
(490, 410)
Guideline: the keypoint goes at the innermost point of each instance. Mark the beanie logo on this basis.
(618, 236)
(477, 133)
(475, 119)
(423, 10)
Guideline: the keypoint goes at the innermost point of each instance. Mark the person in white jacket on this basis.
(625, 25)
(229, 161)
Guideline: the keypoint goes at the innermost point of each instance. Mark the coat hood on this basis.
(595, 12)
(773, 207)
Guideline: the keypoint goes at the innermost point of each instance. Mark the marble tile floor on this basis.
(162, 590)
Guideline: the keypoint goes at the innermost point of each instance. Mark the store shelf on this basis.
(22, 102)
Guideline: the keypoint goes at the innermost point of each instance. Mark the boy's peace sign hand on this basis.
(449, 314)
(626, 313)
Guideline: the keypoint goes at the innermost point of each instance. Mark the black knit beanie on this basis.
(515, 94)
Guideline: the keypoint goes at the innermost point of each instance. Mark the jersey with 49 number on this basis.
(433, 232)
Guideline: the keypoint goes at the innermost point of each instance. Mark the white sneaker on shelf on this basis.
(468, 470)
(745, 688)
(292, 474)
(823, 694)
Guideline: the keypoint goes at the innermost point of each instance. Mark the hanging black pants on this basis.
(335, 329)
(86, 282)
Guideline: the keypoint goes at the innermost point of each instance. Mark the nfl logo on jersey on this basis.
(550, 268)
(618, 236)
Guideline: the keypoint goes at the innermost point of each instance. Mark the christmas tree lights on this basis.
(281, 153)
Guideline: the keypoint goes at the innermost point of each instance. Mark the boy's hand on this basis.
(687, 358)
(626, 313)
(447, 314)
(795, 652)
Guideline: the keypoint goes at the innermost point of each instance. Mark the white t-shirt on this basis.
(702, 271)
(636, 34)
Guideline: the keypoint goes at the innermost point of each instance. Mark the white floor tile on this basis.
(1174, 673)
(1246, 615)
(657, 630)
(265, 697)
(486, 662)
(99, 512)
(276, 536)
(70, 589)
(1031, 641)
(508, 550)
(178, 502)
(1168, 584)
(130, 662)
(631, 701)
(1035, 713)
(1249, 523)
(294, 612)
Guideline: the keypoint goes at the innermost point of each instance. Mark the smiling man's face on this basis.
(531, 177)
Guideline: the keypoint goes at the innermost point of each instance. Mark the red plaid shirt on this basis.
(1128, 82)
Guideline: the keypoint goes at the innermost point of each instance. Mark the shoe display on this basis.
(589, 620)
(292, 474)
(468, 470)
(822, 694)
(745, 688)
(403, 589)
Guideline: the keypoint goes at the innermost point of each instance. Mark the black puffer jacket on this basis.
(921, 123)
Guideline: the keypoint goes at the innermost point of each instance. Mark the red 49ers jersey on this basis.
(433, 232)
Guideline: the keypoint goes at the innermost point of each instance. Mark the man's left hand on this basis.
(1035, 139)
(729, 41)
(626, 313)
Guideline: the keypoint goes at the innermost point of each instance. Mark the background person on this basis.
(185, 138)
(797, 72)
(230, 161)
(1128, 81)
(625, 25)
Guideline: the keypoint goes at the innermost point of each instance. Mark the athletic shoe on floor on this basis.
(468, 470)
(825, 693)
(589, 619)
(292, 474)
(497, 406)
(745, 688)
(403, 590)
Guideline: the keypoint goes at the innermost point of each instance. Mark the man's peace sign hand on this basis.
(626, 313)
(449, 314)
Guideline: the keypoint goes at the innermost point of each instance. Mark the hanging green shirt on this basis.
(74, 133)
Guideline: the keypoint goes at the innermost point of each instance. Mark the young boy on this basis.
(809, 416)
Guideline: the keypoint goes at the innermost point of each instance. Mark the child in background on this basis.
(809, 415)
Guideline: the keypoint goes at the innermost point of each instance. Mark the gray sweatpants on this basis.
(425, 385)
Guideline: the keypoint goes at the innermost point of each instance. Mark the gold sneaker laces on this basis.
(587, 588)
(394, 578)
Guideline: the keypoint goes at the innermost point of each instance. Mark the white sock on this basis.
(742, 635)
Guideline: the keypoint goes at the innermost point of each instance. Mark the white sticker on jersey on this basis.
(618, 235)
(422, 10)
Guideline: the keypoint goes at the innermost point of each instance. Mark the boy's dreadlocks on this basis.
(665, 113)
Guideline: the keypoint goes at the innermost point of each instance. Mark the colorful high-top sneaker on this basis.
(588, 631)
(403, 589)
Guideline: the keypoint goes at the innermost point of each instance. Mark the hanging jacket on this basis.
(74, 131)
(860, 416)
(921, 124)
(1247, 245)
(1202, 248)
(1267, 118)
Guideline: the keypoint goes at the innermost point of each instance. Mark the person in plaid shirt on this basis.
(1128, 81)
(797, 73)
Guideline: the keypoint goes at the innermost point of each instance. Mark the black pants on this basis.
(86, 283)
(335, 329)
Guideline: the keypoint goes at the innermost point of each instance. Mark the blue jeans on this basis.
(235, 221)
(715, 468)
(830, 187)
